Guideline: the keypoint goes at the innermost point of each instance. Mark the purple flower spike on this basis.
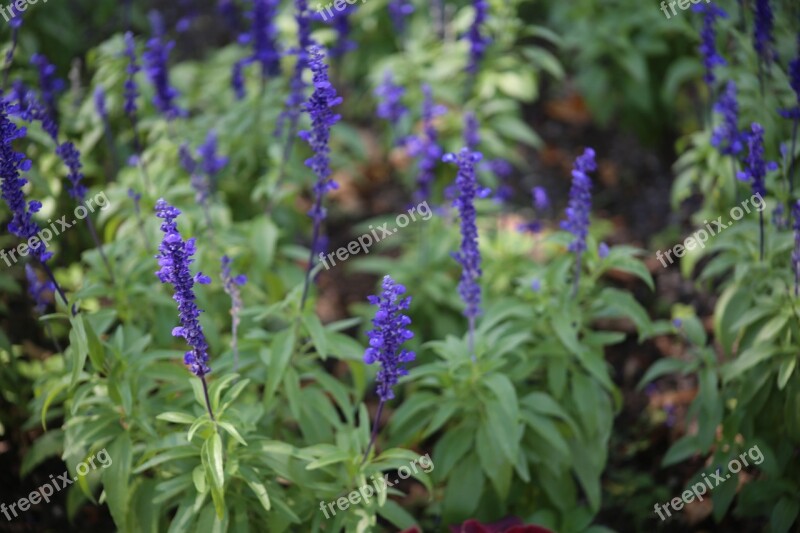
(100, 103)
(468, 256)
(708, 39)
(40, 291)
(174, 258)
(12, 163)
(156, 65)
(425, 147)
(390, 95)
(231, 286)
(130, 89)
(72, 159)
(263, 38)
(763, 40)
(210, 162)
(319, 107)
(477, 41)
(388, 335)
(756, 167)
(579, 207)
(399, 11)
(49, 84)
(726, 137)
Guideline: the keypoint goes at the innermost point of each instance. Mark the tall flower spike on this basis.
(793, 113)
(468, 256)
(425, 147)
(156, 66)
(263, 38)
(210, 162)
(231, 285)
(12, 163)
(100, 103)
(49, 84)
(390, 100)
(174, 258)
(319, 107)
(40, 291)
(478, 42)
(579, 207)
(708, 39)
(755, 171)
(130, 89)
(399, 11)
(390, 331)
(763, 41)
(796, 251)
(726, 137)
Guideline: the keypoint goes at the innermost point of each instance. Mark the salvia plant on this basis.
(343, 284)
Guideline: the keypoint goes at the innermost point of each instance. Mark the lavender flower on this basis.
(11, 164)
(708, 39)
(319, 107)
(796, 251)
(72, 159)
(755, 167)
(156, 59)
(49, 84)
(536, 285)
(390, 96)
(385, 341)
(174, 258)
(399, 10)
(602, 250)
(230, 13)
(40, 291)
(726, 137)
(755, 171)
(425, 147)
(502, 170)
(540, 203)
(472, 137)
(231, 286)
(468, 256)
(579, 207)
(100, 103)
(477, 41)
(130, 89)
(388, 335)
(263, 37)
(763, 41)
(210, 162)
(341, 23)
(297, 87)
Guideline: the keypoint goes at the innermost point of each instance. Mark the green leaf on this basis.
(317, 332)
(396, 515)
(212, 461)
(339, 456)
(176, 417)
(279, 356)
(662, 367)
(784, 515)
(682, 449)
(748, 359)
(232, 431)
(79, 347)
(255, 484)
(464, 490)
(786, 371)
(116, 477)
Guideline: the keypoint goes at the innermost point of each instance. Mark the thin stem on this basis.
(761, 233)
(374, 431)
(577, 274)
(100, 247)
(314, 239)
(58, 287)
(471, 338)
(235, 343)
(792, 158)
(208, 400)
